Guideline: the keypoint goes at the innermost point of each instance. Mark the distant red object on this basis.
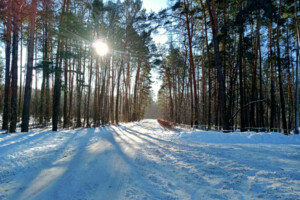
(165, 124)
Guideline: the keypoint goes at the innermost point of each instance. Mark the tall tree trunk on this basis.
(89, 93)
(135, 103)
(222, 92)
(254, 83)
(20, 83)
(191, 93)
(282, 101)
(112, 115)
(273, 101)
(78, 91)
(127, 85)
(242, 96)
(47, 73)
(297, 92)
(224, 43)
(191, 61)
(70, 90)
(261, 96)
(297, 71)
(204, 111)
(65, 109)
(209, 68)
(6, 107)
(27, 95)
(17, 5)
(96, 96)
(57, 81)
(118, 93)
(170, 94)
(290, 80)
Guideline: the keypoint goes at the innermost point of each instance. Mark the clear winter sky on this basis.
(160, 38)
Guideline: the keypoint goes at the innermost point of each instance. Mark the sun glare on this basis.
(100, 47)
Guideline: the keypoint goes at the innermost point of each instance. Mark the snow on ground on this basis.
(142, 160)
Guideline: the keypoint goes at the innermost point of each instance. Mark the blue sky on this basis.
(154, 5)
(160, 38)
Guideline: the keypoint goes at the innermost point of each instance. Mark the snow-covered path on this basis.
(143, 161)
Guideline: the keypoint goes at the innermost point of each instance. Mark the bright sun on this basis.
(100, 47)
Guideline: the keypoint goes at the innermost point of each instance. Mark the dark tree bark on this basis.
(127, 90)
(20, 82)
(282, 101)
(112, 115)
(135, 102)
(208, 66)
(27, 95)
(118, 93)
(254, 82)
(6, 107)
(57, 81)
(170, 94)
(47, 73)
(42, 98)
(17, 5)
(189, 28)
(261, 120)
(297, 71)
(78, 91)
(273, 101)
(222, 92)
(242, 96)
(65, 110)
(89, 94)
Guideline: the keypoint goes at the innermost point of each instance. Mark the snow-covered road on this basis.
(144, 161)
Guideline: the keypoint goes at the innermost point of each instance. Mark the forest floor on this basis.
(142, 160)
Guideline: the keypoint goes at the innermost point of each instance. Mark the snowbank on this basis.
(237, 137)
(142, 160)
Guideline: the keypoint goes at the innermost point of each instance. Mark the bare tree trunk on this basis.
(297, 73)
(47, 74)
(20, 83)
(14, 68)
(112, 116)
(208, 66)
(222, 92)
(57, 83)
(27, 95)
(191, 61)
(170, 94)
(118, 93)
(242, 98)
(135, 102)
(78, 91)
(127, 111)
(71, 85)
(65, 109)
(282, 101)
(6, 107)
(96, 108)
(273, 101)
(261, 96)
(254, 83)
(89, 94)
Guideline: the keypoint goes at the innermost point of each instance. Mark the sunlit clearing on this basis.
(100, 47)
(65, 159)
(42, 181)
(99, 147)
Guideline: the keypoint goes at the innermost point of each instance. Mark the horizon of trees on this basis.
(232, 64)
(227, 64)
(66, 82)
